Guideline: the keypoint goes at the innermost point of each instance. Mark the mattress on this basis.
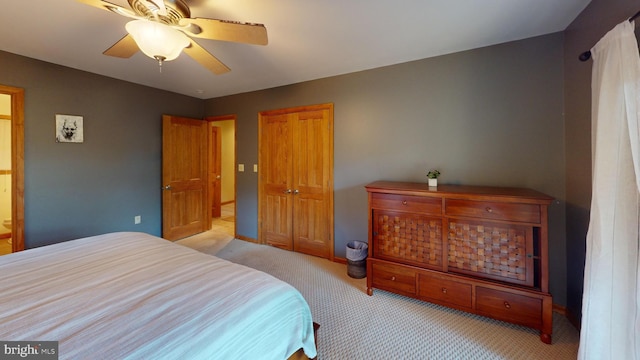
(133, 296)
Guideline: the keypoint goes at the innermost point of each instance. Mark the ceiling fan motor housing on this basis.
(176, 10)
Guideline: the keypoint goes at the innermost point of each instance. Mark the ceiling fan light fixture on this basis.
(162, 29)
(156, 40)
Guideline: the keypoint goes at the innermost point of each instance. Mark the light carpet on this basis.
(354, 325)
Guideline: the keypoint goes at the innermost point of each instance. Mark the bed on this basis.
(132, 295)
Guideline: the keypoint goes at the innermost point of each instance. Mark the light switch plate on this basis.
(241, 167)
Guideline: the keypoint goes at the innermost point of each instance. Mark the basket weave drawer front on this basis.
(491, 250)
(418, 204)
(514, 308)
(440, 291)
(529, 213)
(408, 238)
(394, 278)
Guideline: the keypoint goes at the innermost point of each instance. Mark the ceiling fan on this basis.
(162, 29)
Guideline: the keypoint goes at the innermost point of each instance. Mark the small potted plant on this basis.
(432, 175)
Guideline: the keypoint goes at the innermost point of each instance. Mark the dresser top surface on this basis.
(459, 191)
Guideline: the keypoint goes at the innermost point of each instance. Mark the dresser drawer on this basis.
(444, 291)
(419, 204)
(394, 278)
(529, 213)
(509, 307)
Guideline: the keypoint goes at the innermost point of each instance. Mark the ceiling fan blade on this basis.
(225, 30)
(199, 54)
(124, 48)
(105, 5)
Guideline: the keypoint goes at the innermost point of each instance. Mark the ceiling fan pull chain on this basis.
(160, 60)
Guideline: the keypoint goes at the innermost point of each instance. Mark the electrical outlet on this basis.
(137, 219)
(255, 167)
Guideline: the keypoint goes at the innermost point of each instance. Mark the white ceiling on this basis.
(308, 39)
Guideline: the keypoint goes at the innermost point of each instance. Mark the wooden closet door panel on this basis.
(275, 218)
(276, 222)
(184, 177)
(312, 182)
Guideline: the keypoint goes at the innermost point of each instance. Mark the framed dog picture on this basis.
(69, 129)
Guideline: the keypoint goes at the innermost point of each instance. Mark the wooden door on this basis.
(296, 179)
(184, 177)
(275, 178)
(215, 170)
(313, 182)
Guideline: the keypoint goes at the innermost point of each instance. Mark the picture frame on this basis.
(69, 128)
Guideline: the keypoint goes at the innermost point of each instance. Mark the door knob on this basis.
(296, 192)
(167, 187)
(288, 191)
(217, 176)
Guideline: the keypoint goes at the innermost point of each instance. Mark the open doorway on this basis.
(222, 179)
(11, 169)
(5, 174)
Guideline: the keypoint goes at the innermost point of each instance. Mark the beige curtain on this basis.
(611, 307)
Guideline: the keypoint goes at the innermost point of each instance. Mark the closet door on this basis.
(312, 182)
(275, 209)
(296, 179)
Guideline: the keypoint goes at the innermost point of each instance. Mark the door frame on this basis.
(17, 165)
(234, 118)
(214, 169)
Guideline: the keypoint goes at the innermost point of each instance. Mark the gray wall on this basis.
(490, 116)
(585, 31)
(76, 190)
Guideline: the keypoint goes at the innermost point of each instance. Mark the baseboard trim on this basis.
(560, 309)
(340, 260)
(574, 320)
(245, 238)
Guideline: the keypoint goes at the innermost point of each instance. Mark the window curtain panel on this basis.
(611, 309)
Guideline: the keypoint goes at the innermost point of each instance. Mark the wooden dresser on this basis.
(483, 250)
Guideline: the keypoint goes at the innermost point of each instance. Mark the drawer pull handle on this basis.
(444, 290)
(404, 202)
(489, 210)
(507, 305)
(393, 278)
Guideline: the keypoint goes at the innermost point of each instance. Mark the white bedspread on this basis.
(133, 295)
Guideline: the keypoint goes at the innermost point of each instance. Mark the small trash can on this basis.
(357, 259)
